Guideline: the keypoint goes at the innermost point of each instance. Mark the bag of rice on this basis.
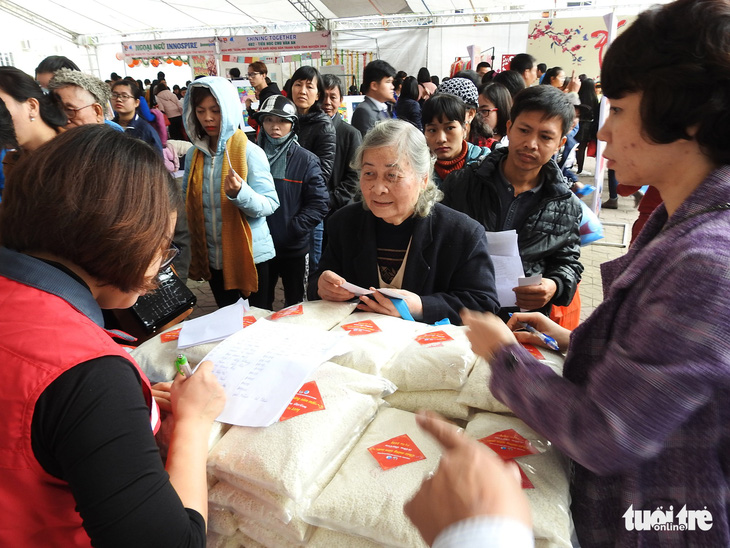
(437, 358)
(327, 538)
(243, 505)
(444, 402)
(375, 339)
(280, 506)
(367, 500)
(322, 314)
(287, 456)
(476, 392)
(237, 540)
(547, 471)
(156, 356)
(221, 521)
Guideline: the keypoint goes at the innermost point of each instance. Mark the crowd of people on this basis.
(400, 198)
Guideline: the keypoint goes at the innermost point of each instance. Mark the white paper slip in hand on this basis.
(215, 326)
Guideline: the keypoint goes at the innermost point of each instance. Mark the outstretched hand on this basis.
(471, 481)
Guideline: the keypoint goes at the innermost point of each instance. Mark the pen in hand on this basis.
(182, 365)
(547, 339)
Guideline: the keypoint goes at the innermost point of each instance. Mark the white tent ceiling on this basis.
(102, 18)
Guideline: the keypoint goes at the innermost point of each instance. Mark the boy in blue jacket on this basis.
(302, 194)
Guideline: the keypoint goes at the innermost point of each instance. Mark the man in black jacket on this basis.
(522, 188)
(343, 181)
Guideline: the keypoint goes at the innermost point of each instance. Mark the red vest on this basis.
(41, 336)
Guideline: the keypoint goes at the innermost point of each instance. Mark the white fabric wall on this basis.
(404, 49)
(435, 48)
(448, 43)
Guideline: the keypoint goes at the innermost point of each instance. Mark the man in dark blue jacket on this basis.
(303, 197)
(377, 79)
(522, 188)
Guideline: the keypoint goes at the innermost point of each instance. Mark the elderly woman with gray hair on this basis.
(400, 238)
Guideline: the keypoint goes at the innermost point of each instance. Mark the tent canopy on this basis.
(110, 17)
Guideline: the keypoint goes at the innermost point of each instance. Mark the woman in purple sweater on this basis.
(642, 408)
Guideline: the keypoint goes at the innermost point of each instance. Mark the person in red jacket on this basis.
(78, 461)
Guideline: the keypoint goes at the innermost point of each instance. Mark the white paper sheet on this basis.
(215, 326)
(503, 243)
(530, 280)
(355, 289)
(507, 270)
(505, 254)
(358, 291)
(262, 367)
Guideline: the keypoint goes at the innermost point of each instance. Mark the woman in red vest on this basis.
(86, 223)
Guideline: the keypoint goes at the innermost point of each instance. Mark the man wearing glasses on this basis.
(125, 100)
(85, 98)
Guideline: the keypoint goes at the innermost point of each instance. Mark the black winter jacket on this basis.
(549, 239)
(343, 183)
(317, 134)
(303, 203)
(448, 265)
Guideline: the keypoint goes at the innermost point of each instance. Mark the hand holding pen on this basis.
(539, 330)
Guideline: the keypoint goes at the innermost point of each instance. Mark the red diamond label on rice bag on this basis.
(526, 483)
(435, 338)
(508, 444)
(365, 327)
(307, 400)
(396, 452)
(294, 310)
(171, 335)
(248, 320)
(533, 350)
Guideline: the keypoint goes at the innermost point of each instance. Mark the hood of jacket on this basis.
(231, 111)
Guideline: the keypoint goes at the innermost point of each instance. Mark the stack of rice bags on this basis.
(366, 499)
(431, 369)
(264, 474)
(546, 470)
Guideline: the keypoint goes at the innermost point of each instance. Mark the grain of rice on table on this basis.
(287, 456)
(548, 472)
(443, 364)
(365, 500)
(370, 352)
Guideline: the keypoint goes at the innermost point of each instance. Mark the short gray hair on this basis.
(410, 145)
(98, 89)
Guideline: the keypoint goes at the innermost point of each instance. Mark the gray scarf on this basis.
(276, 150)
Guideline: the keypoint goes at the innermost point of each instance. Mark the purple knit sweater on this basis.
(643, 409)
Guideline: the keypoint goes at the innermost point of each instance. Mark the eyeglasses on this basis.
(486, 111)
(252, 74)
(168, 256)
(71, 112)
(122, 96)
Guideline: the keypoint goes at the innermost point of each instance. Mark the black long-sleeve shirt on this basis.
(91, 428)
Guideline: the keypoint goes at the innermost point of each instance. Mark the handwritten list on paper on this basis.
(262, 367)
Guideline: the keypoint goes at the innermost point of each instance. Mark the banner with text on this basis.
(149, 49)
(293, 41)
